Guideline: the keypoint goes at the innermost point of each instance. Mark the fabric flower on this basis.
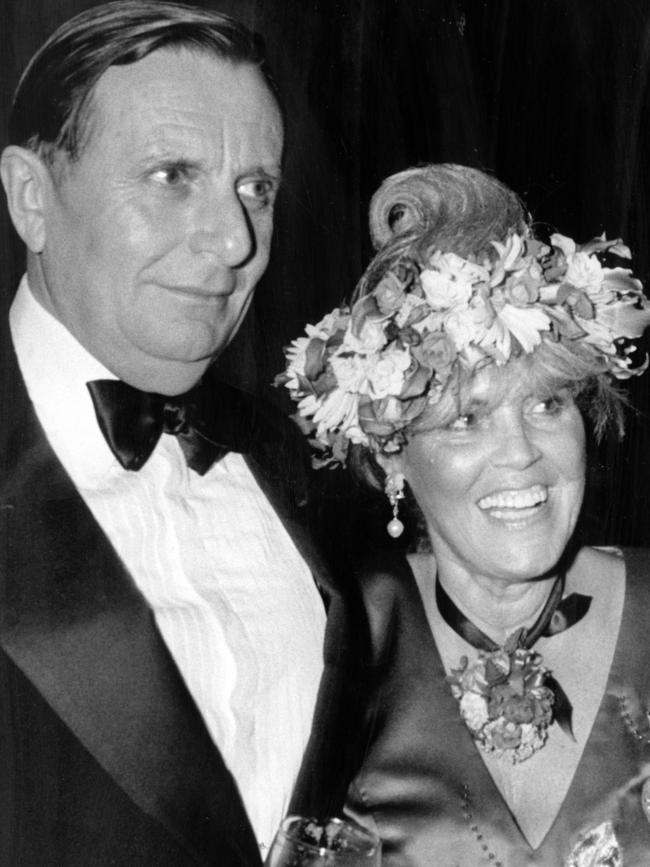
(500, 736)
(563, 243)
(369, 337)
(522, 287)
(624, 319)
(296, 354)
(509, 255)
(497, 666)
(598, 334)
(525, 324)
(389, 293)
(583, 271)
(385, 418)
(437, 353)
(365, 373)
(503, 701)
(350, 371)
(474, 710)
(576, 300)
(338, 409)
(416, 380)
(617, 282)
(412, 311)
(532, 739)
(386, 374)
(482, 311)
(456, 268)
(442, 291)
(462, 328)
(500, 696)
(520, 709)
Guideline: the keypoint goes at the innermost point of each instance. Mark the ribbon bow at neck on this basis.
(557, 615)
(132, 422)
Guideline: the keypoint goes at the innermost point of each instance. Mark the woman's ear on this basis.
(391, 464)
(26, 180)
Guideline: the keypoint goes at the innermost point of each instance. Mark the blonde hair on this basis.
(463, 210)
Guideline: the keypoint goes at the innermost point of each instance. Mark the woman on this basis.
(502, 677)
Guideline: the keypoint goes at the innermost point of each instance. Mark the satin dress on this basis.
(421, 783)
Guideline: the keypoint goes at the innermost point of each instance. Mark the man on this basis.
(160, 633)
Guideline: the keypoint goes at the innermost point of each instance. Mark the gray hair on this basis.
(53, 102)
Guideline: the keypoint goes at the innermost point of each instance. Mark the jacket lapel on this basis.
(73, 621)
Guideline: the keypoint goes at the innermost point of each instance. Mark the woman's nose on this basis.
(224, 231)
(517, 445)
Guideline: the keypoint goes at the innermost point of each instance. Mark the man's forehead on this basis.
(193, 87)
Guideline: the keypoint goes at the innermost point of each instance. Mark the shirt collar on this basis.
(56, 368)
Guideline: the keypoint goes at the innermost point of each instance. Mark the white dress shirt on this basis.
(232, 597)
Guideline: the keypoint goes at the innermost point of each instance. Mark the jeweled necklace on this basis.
(507, 699)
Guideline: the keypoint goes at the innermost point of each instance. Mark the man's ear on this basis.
(26, 180)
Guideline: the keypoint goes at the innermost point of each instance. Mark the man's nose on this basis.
(223, 230)
(517, 445)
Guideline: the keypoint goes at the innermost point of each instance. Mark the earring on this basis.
(394, 490)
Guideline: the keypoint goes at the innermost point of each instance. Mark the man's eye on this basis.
(171, 176)
(256, 192)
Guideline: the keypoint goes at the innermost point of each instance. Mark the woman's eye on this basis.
(551, 406)
(463, 422)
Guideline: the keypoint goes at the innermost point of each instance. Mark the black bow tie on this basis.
(208, 422)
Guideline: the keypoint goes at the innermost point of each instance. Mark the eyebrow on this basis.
(156, 149)
(155, 155)
(275, 172)
(474, 404)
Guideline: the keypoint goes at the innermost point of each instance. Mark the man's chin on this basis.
(163, 375)
(188, 346)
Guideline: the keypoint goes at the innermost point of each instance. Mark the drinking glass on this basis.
(302, 842)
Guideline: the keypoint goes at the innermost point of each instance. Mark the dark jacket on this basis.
(105, 758)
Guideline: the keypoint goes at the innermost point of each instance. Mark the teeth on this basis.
(515, 499)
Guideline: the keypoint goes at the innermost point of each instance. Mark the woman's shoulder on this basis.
(637, 563)
(387, 586)
(615, 560)
(601, 560)
(391, 602)
(599, 569)
(383, 575)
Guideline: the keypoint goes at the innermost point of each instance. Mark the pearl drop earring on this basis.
(394, 490)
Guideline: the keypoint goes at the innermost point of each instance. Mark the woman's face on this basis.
(501, 486)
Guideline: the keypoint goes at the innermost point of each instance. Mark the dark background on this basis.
(552, 95)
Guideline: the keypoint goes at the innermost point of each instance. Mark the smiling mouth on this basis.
(515, 502)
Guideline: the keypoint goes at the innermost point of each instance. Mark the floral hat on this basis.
(365, 372)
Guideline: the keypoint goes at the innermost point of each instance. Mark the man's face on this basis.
(156, 237)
